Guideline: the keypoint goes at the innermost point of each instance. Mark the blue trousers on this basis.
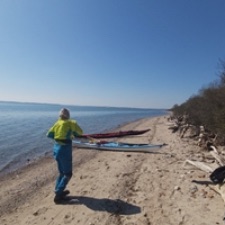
(63, 157)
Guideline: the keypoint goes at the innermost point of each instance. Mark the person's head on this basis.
(64, 114)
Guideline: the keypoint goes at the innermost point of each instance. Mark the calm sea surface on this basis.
(24, 127)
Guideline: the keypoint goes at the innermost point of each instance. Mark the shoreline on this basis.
(10, 168)
(117, 188)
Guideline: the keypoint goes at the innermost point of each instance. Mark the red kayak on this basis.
(116, 134)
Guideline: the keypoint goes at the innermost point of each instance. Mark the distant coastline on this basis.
(70, 105)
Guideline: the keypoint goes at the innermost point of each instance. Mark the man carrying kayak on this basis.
(63, 132)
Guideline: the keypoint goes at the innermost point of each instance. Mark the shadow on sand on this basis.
(203, 182)
(107, 205)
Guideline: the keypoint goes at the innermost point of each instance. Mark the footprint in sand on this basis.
(68, 218)
(40, 211)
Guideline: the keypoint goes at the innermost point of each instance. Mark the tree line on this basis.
(207, 108)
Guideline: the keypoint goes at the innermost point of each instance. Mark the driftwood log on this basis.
(181, 124)
(200, 165)
(219, 188)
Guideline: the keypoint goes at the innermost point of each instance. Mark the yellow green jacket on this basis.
(64, 130)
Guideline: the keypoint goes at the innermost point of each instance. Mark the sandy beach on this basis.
(115, 188)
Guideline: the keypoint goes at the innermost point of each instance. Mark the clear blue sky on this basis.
(131, 53)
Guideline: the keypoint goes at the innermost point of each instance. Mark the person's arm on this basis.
(51, 133)
(76, 129)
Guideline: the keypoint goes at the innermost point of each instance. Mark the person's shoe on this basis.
(60, 198)
(65, 193)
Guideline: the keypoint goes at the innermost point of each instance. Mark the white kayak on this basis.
(117, 146)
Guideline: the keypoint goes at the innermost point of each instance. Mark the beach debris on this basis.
(219, 158)
(219, 188)
(200, 165)
(208, 159)
(186, 129)
(218, 175)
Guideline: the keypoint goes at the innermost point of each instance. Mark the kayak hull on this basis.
(118, 146)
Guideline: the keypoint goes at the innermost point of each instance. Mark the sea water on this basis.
(23, 127)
